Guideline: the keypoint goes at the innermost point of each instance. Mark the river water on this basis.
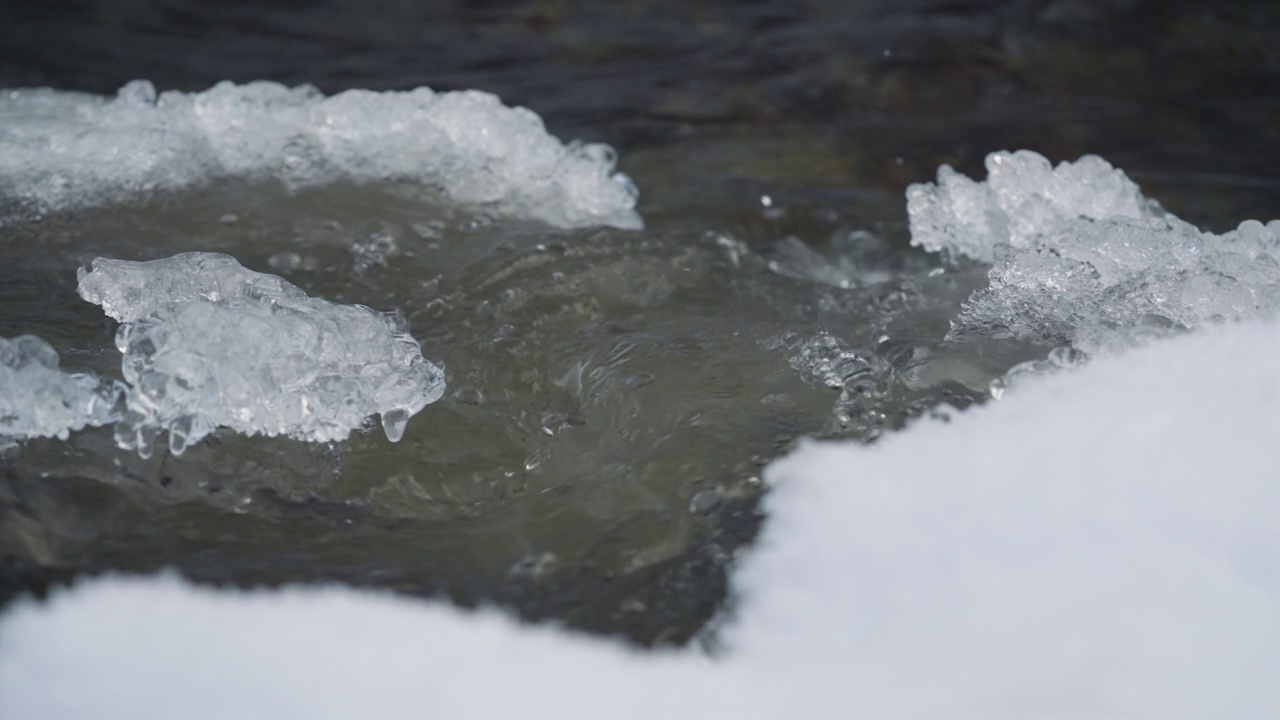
(612, 394)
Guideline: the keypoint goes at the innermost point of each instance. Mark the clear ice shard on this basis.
(1079, 257)
(65, 149)
(37, 399)
(208, 343)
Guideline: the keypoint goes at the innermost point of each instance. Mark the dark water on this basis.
(612, 395)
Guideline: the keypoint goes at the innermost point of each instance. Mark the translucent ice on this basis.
(1094, 279)
(209, 343)
(61, 149)
(1080, 257)
(1023, 198)
(37, 399)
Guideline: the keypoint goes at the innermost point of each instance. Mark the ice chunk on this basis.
(208, 343)
(1094, 279)
(1080, 257)
(1023, 198)
(61, 149)
(37, 399)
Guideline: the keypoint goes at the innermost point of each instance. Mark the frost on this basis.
(37, 399)
(61, 149)
(1023, 198)
(208, 343)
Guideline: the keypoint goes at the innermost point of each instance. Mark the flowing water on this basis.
(611, 394)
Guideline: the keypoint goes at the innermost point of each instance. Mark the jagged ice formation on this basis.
(208, 343)
(37, 399)
(67, 150)
(1080, 257)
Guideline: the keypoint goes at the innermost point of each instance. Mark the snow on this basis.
(1101, 543)
(63, 150)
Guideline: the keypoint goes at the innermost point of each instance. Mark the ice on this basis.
(66, 150)
(1023, 198)
(37, 399)
(1095, 280)
(1101, 544)
(208, 343)
(1080, 257)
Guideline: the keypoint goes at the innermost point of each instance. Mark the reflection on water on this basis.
(612, 394)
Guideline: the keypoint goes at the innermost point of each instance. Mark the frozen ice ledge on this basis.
(1080, 257)
(65, 149)
(208, 343)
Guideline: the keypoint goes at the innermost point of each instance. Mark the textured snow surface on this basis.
(64, 149)
(208, 343)
(39, 400)
(1102, 544)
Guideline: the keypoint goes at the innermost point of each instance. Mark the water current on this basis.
(611, 393)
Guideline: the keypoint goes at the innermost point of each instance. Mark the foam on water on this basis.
(208, 343)
(37, 399)
(64, 149)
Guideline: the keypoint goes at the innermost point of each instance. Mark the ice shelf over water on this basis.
(66, 149)
(208, 343)
(1080, 257)
(37, 399)
(1091, 547)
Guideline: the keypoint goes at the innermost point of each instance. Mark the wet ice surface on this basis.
(1023, 200)
(71, 150)
(37, 399)
(1081, 258)
(208, 343)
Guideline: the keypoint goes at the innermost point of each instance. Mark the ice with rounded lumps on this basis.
(1023, 198)
(208, 343)
(64, 149)
(1079, 257)
(38, 399)
(1096, 279)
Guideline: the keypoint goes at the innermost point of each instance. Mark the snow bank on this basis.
(1102, 543)
(65, 150)
(208, 343)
